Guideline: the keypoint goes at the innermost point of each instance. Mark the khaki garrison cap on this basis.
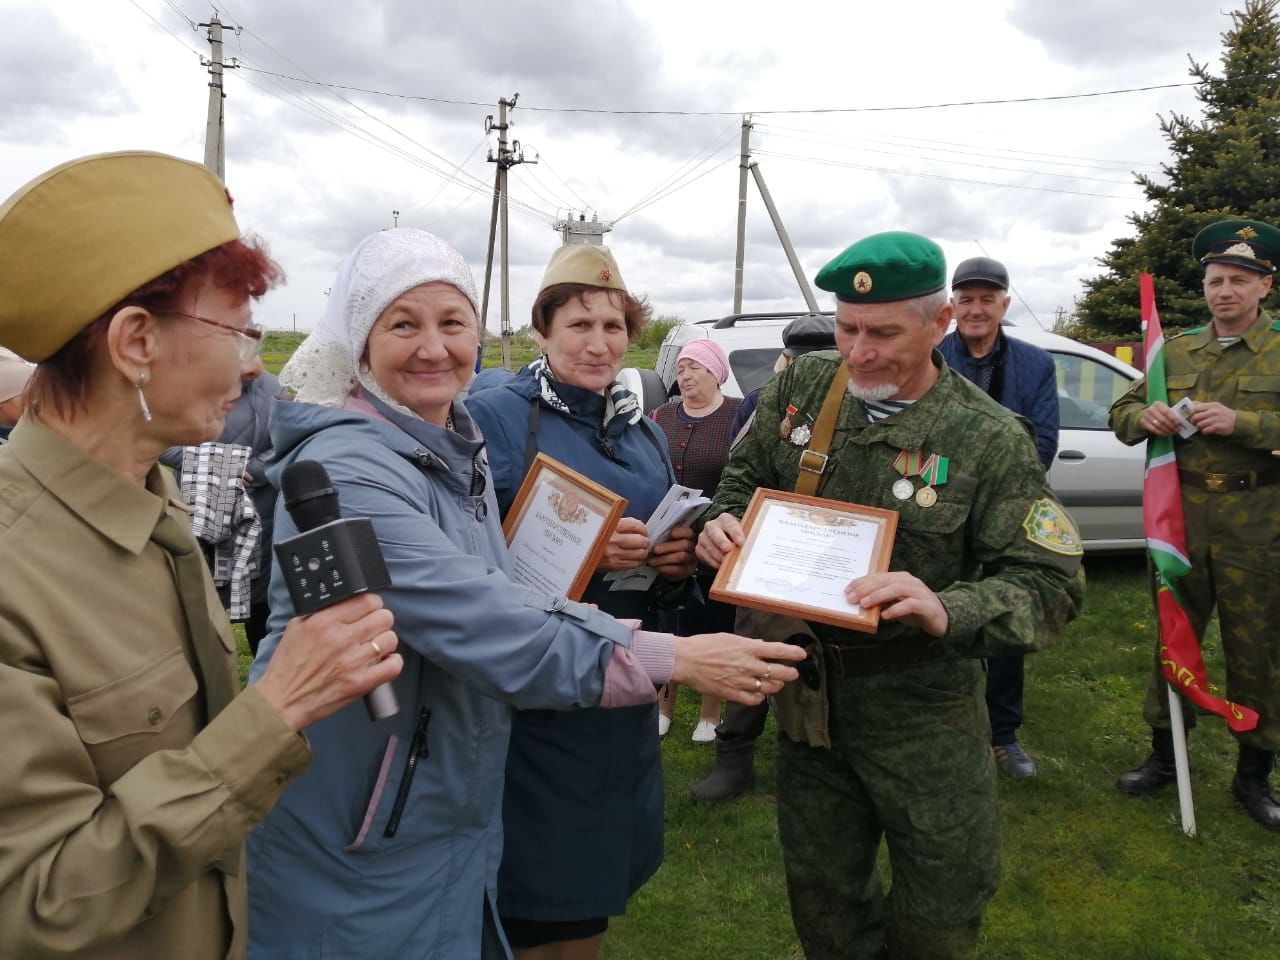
(587, 263)
(81, 237)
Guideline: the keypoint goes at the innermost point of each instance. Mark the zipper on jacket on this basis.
(417, 751)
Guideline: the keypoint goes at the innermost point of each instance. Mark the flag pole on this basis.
(1180, 764)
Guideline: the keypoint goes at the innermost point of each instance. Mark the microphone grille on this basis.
(304, 478)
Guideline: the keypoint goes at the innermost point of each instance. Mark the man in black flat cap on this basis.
(1230, 480)
(1021, 377)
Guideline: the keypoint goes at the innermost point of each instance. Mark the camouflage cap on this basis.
(886, 267)
(1251, 244)
(587, 263)
(78, 239)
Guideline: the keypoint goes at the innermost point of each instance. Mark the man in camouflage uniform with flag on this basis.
(888, 736)
(1230, 479)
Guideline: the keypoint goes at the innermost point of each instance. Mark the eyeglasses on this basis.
(249, 336)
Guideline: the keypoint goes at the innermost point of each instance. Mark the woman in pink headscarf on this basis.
(697, 425)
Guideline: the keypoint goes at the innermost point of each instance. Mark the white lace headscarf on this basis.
(384, 265)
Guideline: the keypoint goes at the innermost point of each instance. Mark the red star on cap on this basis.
(606, 275)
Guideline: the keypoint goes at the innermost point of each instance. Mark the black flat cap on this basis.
(811, 332)
(981, 270)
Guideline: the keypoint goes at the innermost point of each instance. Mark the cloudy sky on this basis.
(1043, 186)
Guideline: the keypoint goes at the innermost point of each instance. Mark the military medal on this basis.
(784, 428)
(907, 463)
(934, 474)
(800, 435)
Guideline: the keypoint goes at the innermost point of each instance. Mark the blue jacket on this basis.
(1030, 384)
(326, 880)
(582, 849)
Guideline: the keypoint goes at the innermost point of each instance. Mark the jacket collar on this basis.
(1253, 337)
(119, 509)
(909, 429)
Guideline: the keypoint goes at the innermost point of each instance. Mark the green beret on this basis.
(78, 239)
(1251, 244)
(886, 267)
(591, 264)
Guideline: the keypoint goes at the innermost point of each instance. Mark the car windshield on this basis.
(751, 368)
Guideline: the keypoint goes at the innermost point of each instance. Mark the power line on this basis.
(941, 146)
(546, 166)
(146, 13)
(938, 176)
(705, 152)
(445, 185)
(899, 108)
(681, 186)
(179, 11)
(964, 163)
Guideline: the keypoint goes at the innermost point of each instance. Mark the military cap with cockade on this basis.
(813, 331)
(78, 239)
(587, 263)
(885, 267)
(1251, 244)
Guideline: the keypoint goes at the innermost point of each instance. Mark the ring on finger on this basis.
(759, 684)
(377, 651)
(768, 672)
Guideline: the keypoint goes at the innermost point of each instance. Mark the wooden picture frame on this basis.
(800, 549)
(548, 551)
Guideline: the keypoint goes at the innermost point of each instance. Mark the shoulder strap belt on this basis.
(813, 462)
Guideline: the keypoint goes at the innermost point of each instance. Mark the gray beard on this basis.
(884, 391)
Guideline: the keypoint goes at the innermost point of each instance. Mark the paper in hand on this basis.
(681, 507)
(1183, 409)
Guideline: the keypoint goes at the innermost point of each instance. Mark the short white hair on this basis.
(929, 305)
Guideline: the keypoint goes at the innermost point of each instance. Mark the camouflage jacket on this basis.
(997, 547)
(1244, 376)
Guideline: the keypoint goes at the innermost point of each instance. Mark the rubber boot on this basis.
(1153, 773)
(1252, 788)
(733, 774)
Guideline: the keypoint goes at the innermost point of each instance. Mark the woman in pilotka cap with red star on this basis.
(132, 766)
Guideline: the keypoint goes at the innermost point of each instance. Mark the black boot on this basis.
(733, 775)
(1251, 786)
(1154, 772)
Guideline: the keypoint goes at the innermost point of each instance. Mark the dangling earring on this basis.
(142, 397)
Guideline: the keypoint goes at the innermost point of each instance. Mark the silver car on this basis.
(1097, 477)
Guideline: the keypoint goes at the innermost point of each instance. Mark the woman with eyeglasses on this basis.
(132, 766)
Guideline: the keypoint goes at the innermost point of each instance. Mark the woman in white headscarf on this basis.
(389, 844)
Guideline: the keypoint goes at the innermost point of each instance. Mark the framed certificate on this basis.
(801, 552)
(557, 528)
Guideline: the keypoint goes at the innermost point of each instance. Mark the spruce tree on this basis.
(1227, 164)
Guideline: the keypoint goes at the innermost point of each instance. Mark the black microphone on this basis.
(330, 559)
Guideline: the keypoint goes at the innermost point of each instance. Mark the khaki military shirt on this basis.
(1244, 376)
(997, 547)
(116, 798)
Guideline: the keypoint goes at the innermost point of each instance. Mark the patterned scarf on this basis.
(618, 400)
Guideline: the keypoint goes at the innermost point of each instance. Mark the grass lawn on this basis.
(1088, 873)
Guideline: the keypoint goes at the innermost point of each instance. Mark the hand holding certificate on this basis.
(800, 554)
(681, 507)
(558, 527)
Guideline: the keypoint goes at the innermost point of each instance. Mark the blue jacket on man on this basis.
(1028, 387)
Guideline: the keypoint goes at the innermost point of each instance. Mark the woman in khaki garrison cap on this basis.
(131, 769)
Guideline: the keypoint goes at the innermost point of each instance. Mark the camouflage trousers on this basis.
(1233, 542)
(910, 764)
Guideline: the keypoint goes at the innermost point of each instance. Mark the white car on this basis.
(1098, 478)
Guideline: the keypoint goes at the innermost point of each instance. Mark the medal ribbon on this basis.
(934, 471)
(907, 462)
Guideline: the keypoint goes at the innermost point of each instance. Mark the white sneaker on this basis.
(704, 732)
(664, 724)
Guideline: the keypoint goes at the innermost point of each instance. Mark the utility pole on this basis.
(509, 155)
(215, 146)
(743, 163)
(395, 218)
(784, 239)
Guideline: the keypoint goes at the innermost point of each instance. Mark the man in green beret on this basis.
(887, 736)
(1224, 381)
